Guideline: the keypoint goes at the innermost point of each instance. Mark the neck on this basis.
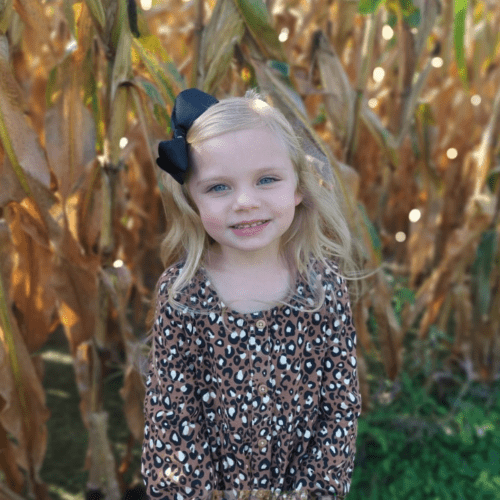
(246, 262)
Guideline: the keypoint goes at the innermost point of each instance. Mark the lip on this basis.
(249, 231)
(250, 222)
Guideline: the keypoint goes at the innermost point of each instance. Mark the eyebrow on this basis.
(225, 177)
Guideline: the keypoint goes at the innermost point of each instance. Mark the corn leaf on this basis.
(374, 243)
(224, 30)
(95, 6)
(156, 70)
(482, 267)
(257, 21)
(368, 6)
(460, 9)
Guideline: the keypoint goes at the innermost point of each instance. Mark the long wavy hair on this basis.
(319, 231)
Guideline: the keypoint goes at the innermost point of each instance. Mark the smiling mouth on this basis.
(259, 223)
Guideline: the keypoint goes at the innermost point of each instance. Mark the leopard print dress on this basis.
(251, 405)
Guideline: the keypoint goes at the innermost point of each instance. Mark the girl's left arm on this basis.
(327, 468)
(176, 456)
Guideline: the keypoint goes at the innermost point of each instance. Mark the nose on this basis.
(245, 199)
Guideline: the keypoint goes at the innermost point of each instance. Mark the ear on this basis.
(298, 197)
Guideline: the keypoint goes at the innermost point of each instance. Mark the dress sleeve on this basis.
(176, 460)
(327, 466)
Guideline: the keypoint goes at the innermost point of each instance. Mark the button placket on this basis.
(260, 390)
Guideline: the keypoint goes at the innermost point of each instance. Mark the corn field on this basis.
(396, 100)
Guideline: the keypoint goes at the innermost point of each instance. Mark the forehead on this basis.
(240, 151)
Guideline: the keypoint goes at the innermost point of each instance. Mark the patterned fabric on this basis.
(253, 405)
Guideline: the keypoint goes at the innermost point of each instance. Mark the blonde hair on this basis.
(319, 231)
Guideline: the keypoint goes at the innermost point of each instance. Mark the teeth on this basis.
(240, 226)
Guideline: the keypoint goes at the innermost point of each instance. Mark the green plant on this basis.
(418, 447)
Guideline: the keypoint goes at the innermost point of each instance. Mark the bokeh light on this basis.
(400, 236)
(378, 74)
(437, 62)
(283, 36)
(452, 153)
(71, 46)
(387, 32)
(475, 100)
(414, 215)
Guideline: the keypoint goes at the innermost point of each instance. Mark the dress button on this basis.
(262, 389)
(262, 443)
(261, 324)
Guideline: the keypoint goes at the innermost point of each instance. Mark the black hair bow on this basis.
(173, 154)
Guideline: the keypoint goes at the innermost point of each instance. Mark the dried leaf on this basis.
(18, 138)
(32, 13)
(346, 18)
(383, 136)
(480, 159)
(89, 207)
(95, 6)
(462, 310)
(7, 494)
(256, 17)
(389, 330)
(102, 473)
(34, 299)
(132, 393)
(339, 97)
(74, 280)
(360, 317)
(70, 133)
(412, 101)
(82, 363)
(458, 253)
(421, 241)
(24, 413)
(224, 30)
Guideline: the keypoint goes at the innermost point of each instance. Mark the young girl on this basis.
(252, 390)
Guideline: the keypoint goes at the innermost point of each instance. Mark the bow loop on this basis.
(173, 154)
(173, 158)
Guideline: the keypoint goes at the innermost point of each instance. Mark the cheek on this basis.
(211, 222)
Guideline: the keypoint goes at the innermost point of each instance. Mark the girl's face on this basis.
(244, 186)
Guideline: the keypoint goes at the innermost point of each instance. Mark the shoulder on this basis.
(329, 271)
(333, 281)
(184, 291)
(169, 276)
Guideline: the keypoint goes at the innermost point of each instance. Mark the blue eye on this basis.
(214, 188)
(272, 179)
